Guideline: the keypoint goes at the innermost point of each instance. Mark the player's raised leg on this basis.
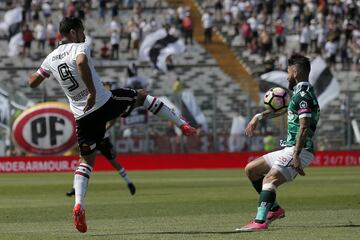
(158, 108)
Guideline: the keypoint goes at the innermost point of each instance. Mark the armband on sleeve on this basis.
(259, 116)
(43, 73)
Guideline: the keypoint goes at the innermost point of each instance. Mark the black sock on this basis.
(257, 184)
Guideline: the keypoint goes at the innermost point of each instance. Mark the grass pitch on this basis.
(199, 204)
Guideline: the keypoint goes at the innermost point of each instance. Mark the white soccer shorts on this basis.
(282, 161)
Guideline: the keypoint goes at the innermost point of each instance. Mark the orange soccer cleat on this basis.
(79, 218)
(187, 130)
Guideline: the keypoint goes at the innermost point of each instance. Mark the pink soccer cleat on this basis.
(253, 226)
(187, 130)
(271, 216)
(79, 218)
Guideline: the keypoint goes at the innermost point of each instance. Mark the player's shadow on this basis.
(170, 233)
(277, 228)
(349, 225)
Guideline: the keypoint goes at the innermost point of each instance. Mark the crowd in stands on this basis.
(330, 28)
(39, 17)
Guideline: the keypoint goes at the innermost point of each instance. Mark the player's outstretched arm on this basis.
(85, 74)
(35, 80)
(267, 114)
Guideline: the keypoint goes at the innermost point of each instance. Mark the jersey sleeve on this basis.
(44, 69)
(303, 104)
(82, 49)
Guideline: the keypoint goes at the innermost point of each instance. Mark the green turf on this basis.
(179, 205)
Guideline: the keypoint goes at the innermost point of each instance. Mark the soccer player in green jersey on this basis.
(273, 169)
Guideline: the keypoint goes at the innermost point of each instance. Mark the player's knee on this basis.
(248, 170)
(142, 93)
(86, 150)
(141, 96)
(251, 171)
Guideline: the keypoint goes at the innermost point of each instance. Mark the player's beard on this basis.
(292, 83)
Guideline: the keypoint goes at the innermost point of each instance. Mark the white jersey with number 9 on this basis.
(62, 64)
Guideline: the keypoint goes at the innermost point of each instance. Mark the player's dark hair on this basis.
(69, 23)
(301, 61)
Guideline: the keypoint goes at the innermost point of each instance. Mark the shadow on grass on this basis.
(223, 232)
(349, 225)
(168, 233)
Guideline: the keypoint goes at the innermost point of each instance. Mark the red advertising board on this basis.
(164, 161)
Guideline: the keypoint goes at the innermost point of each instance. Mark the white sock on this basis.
(81, 179)
(157, 107)
(124, 175)
(74, 180)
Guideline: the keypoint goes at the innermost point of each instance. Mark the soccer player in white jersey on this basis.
(276, 168)
(92, 105)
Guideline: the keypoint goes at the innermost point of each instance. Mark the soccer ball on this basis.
(276, 99)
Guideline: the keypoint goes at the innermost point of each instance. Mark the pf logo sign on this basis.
(46, 128)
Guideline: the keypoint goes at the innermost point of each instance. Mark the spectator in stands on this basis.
(102, 10)
(157, 5)
(245, 30)
(187, 26)
(304, 39)
(218, 10)
(51, 34)
(46, 9)
(27, 10)
(313, 36)
(27, 38)
(80, 8)
(207, 25)
(321, 33)
(180, 15)
(40, 34)
(71, 9)
(295, 10)
(134, 39)
(280, 35)
(137, 10)
(63, 8)
(115, 41)
(128, 3)
(355, 47)
(114, 9)
(253, 25)
(265, 41)
(171, 16)
(345, 57)
(330, 52)
(104, 50)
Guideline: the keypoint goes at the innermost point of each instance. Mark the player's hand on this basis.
(249, 130)
(297, 165)
(90, 102)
